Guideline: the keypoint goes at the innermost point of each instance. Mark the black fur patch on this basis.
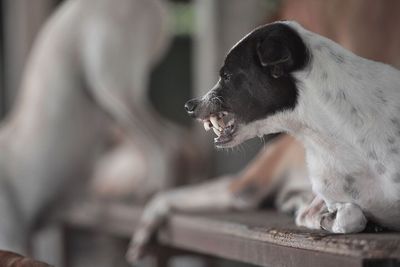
(394, 150)
(336, 57)
(327, 95)
(256, 77)
(379, 94)
(372, 155)
(350, 188)
(391, 140)
(341, 95)
(362, 141)
(396, 124)
(356, 75)
(380, 168)
(396, 178)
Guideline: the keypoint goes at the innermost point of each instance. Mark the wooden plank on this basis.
(114, 218)
(263, 238)
(270, 239)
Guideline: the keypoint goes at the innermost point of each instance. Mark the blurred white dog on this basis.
(88, 70)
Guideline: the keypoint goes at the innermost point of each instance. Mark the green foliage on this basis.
(271, 6)
(182, 18)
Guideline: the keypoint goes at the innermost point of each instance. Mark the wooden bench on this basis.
(263, 238)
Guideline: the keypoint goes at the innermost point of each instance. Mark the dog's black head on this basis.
(255, 82)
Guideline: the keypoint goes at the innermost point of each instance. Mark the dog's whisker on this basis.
(242, 148)
(262, 139)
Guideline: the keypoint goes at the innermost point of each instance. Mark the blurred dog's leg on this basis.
(214, 195)
(122, 91)
(244, 192)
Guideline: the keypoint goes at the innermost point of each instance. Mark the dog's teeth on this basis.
(215, 124)
(218, 133)
(207, 126)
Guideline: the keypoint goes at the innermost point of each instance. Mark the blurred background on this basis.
(202, 31)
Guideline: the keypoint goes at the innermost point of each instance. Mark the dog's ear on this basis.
(275, 55)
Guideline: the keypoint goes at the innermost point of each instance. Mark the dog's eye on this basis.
(226, 76)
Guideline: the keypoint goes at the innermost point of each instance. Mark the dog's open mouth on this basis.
(223, 125)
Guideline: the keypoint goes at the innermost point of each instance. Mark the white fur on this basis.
(352, 141)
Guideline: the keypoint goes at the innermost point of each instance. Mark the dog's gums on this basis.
(223, 125)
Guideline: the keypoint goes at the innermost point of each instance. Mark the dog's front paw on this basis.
(153, 216)
(349, 219)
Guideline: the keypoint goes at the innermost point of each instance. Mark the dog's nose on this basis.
(191, 105)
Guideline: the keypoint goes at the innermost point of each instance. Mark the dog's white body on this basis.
(91, 63)
(347, 117)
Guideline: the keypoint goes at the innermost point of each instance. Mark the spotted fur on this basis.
(343, 108)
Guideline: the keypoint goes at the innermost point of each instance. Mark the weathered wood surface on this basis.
(264, 238)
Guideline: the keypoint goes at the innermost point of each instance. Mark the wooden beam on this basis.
(264, 238)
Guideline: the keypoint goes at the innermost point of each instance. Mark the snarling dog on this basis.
(88, 70)
(281, 78)
(343, 108)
